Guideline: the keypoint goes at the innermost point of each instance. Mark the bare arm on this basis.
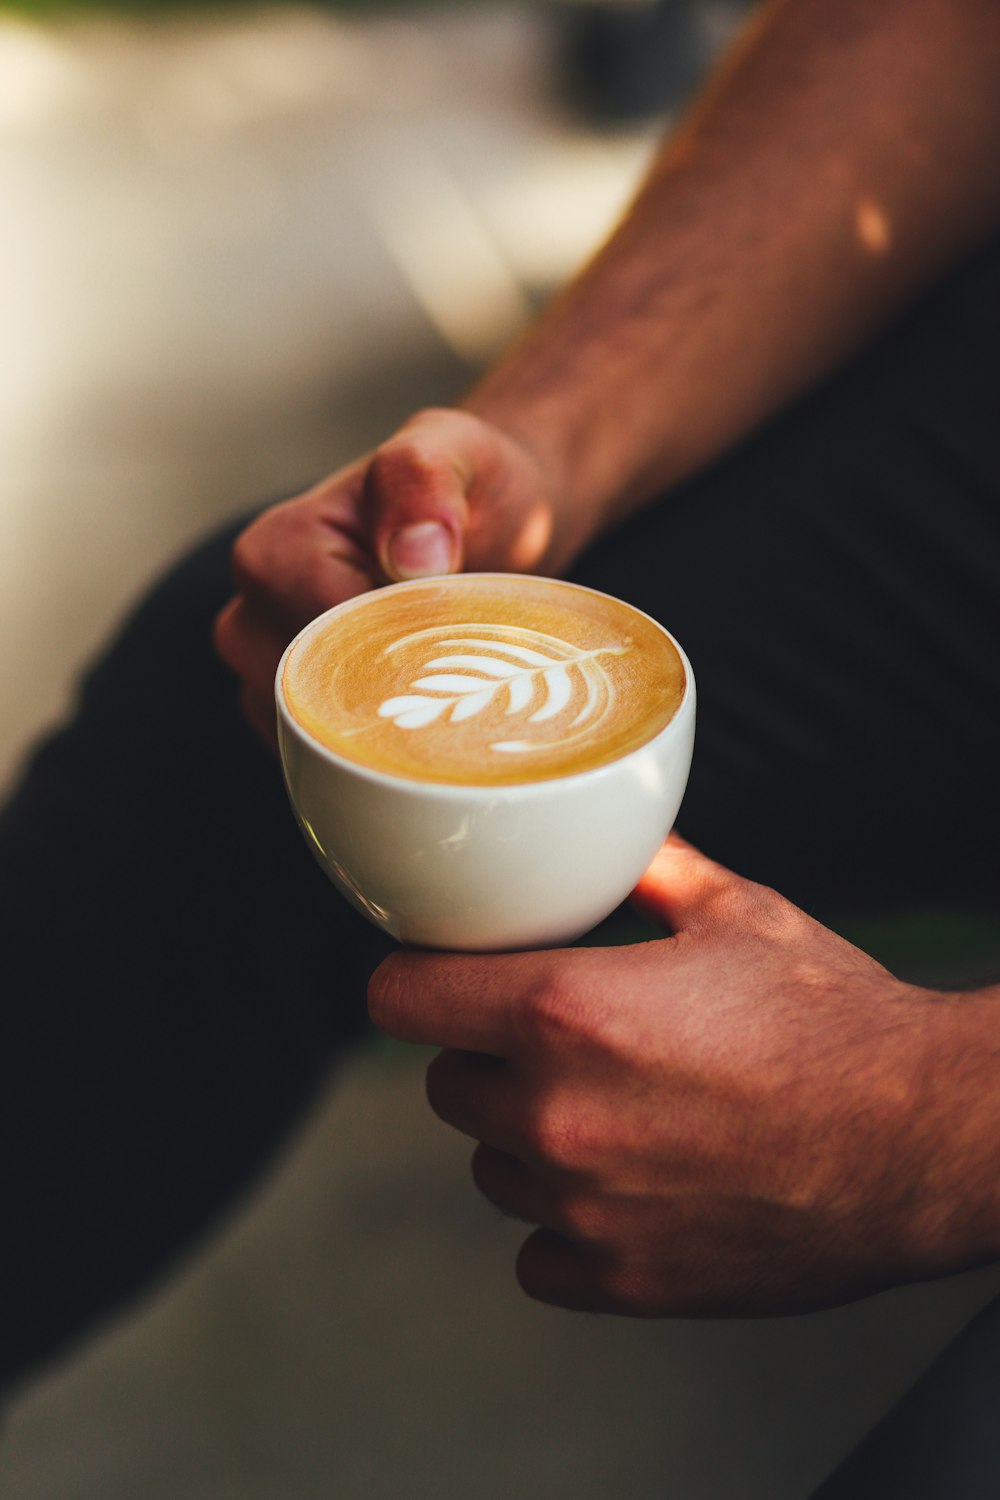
(845, 155)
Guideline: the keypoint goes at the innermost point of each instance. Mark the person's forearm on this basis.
(844, 156)
(955, 1217)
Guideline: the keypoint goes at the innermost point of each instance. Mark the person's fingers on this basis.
(415, 500)
(467, 1090)
(292, 563)
(514, 1188)
(300, 558)
(585, 1278)
(250, 645)
(450, 491)
(551, 1268)
(683, 888)
(252, 648)
(466, 1002)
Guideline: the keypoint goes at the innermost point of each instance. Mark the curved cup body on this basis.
(485, 868)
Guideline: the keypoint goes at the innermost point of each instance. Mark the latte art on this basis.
(513, 671)
(483, 679)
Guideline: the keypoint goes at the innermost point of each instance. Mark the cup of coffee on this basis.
(485, 761)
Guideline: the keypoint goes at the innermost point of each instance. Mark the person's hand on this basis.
(447, 491)
(748, 1117)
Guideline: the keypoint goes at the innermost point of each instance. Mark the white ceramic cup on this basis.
(485, 868)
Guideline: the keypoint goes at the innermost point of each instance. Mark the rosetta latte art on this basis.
(535, 678)
(483, 680)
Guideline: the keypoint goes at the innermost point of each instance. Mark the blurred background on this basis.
(238, 246)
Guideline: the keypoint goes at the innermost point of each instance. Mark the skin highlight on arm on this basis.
(842, 158)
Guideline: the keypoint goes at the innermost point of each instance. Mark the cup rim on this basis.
(490, 790)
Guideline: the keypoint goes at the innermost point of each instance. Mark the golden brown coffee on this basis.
(484, 680)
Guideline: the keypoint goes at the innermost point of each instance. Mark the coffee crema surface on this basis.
(483, 680)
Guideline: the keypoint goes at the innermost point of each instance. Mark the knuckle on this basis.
(552, 1011)
(407, 474)
(542, 1132)
(583, 1218)
(554, 1133)
(753, 908)
(398, 467)
(565, 1012)
(765, 907)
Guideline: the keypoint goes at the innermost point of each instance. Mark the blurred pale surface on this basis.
(233, 252)
(359, 1335)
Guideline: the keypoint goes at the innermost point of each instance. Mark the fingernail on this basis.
(420, 550)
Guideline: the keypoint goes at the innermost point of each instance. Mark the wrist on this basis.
(574, 394)
(952, 1146)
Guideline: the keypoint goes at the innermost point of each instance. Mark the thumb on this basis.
(415, 497)
(682, 887)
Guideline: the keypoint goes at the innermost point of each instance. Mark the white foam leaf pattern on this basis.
(472, 703)
(412, 712)
(463, 683)
(445, 682)
(520, 693)
(477, 664)
(559, 689)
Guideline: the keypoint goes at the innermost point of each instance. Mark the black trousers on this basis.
(179, 978)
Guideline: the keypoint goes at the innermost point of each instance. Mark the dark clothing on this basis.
(836, 584)
(179, 977)
(942, 1440)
